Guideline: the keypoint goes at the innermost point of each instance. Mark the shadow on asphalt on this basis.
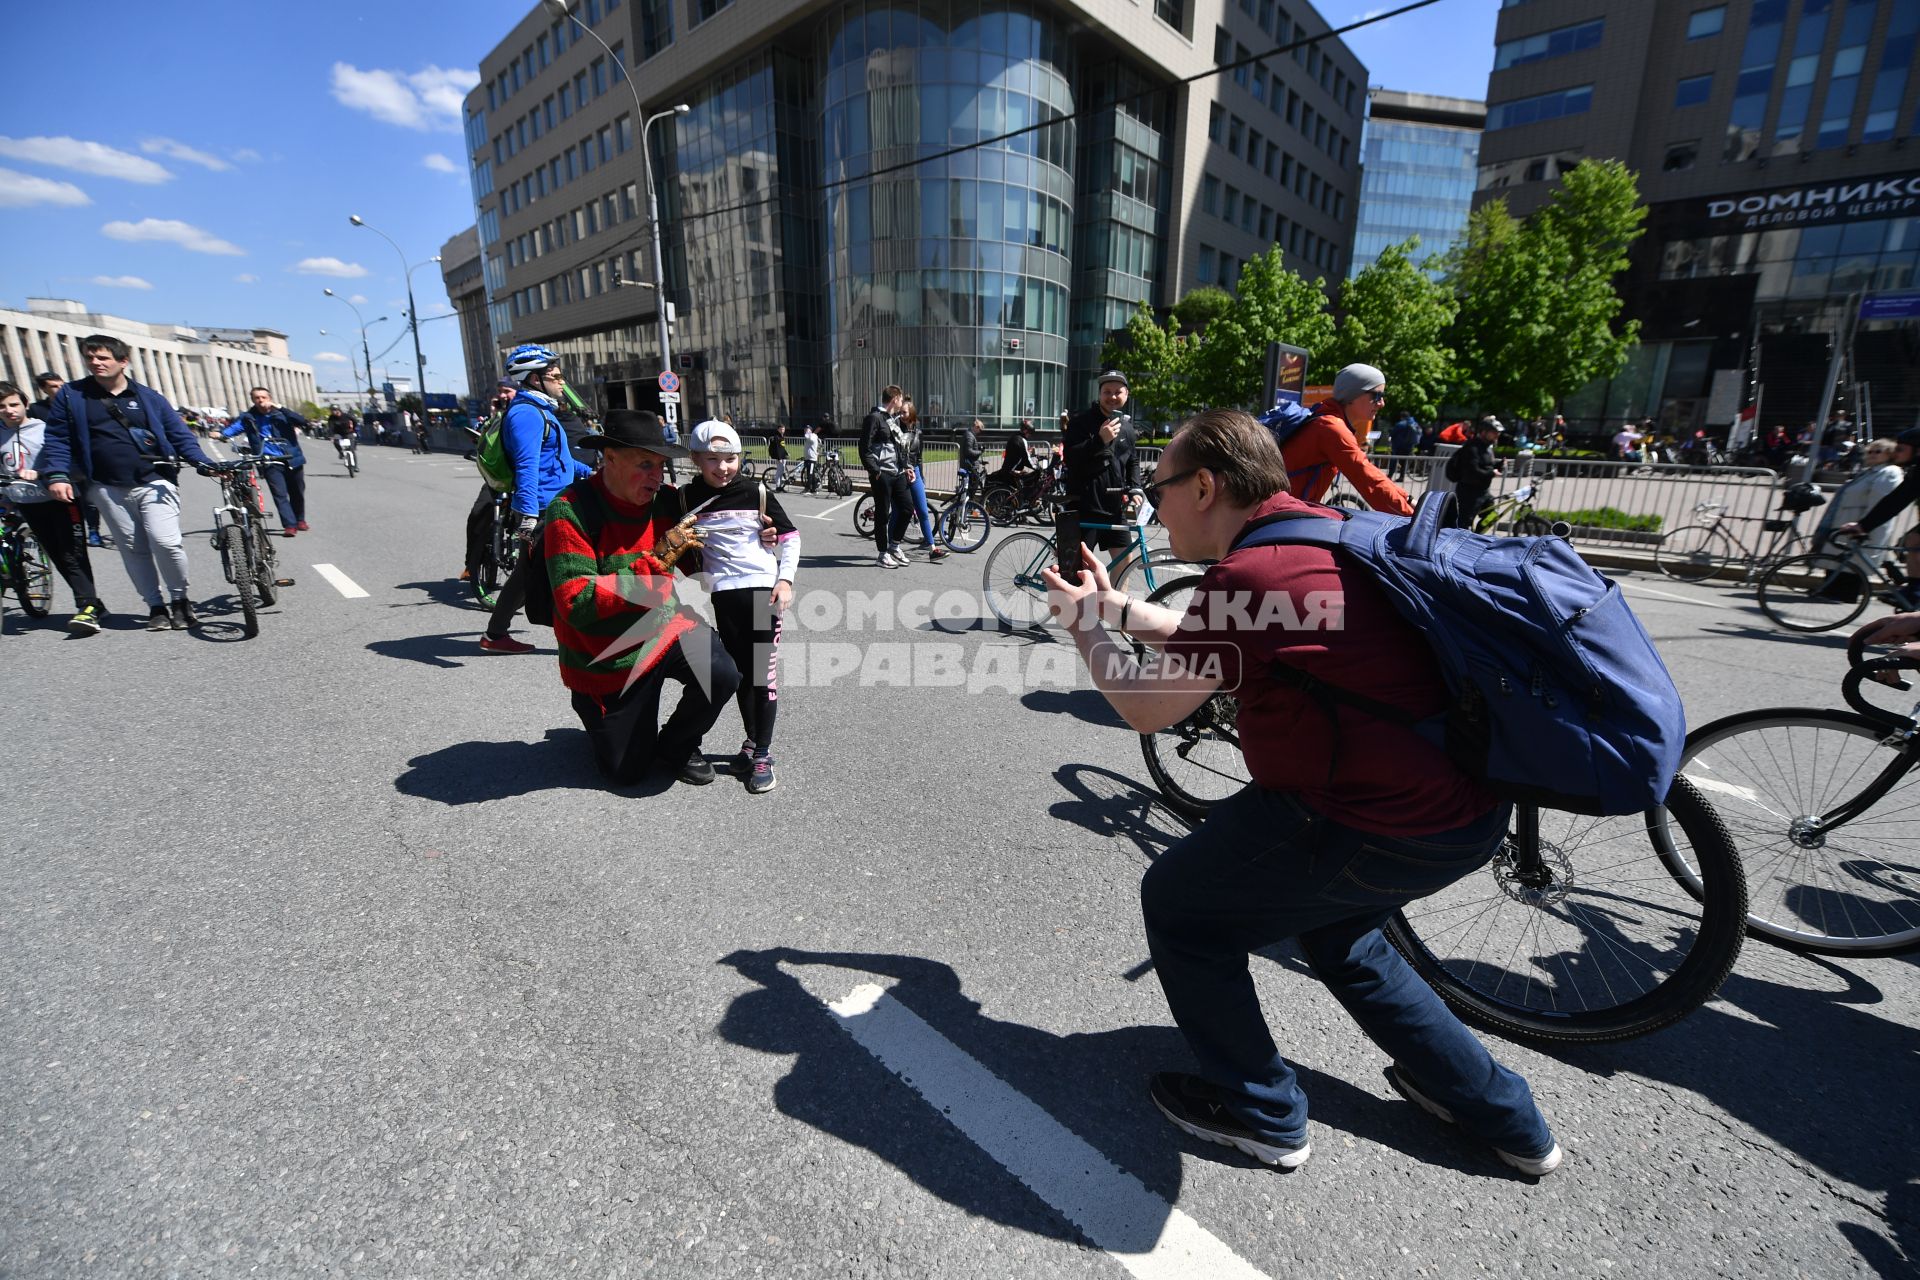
(448, 649)
(1094, 1084)
(475, 772)
(447, 591)
(1818, 639)
(1089, 705)
(1816, 1073)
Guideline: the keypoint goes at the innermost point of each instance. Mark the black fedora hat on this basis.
(634, 429)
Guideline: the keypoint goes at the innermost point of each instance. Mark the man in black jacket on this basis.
(887, 475)
(1890, 506)
(968, 441)
(1472, 470)
(1100, 459)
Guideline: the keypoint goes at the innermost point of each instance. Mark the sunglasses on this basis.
(1379, 397)
(1153, 490)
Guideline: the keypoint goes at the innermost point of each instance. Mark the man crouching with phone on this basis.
(1322, 845)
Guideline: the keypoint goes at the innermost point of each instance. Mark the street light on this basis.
(413, 312)
(363, 344)
(560, 9)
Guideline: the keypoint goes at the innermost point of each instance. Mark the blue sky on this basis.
(199, 166)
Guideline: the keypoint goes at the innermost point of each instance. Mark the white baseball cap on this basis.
(714, 436)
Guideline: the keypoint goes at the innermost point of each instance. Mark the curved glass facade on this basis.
(951, 277)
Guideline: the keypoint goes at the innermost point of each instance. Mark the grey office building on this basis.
(1419, 169)
(834, 220)
(1773, 140)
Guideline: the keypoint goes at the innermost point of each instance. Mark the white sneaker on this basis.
(887, 561)
(900, 554)
(1533, 1166)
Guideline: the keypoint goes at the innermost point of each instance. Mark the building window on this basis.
(1242, 71)
(1680, 156)
(656, 26)
(1843, 80)
(1209, 265)
(1549, 44)
(1693, 91)
(1233, 203)
(1216, 126)
(1546, 106)
(1171, 12)
(1755, 83)
(1890, 85)
(1236, 134)
(1222, 46)
(1210, 195)
(704, 9)
(1706, 22)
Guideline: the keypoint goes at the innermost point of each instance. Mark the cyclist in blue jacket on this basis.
(543, 465)
(274, 432)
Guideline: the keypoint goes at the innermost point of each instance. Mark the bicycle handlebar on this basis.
(1862, 668)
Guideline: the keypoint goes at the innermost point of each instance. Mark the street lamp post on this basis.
(413, 312)
(364, 355)
(561, 9)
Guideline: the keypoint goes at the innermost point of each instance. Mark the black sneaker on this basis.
(159, 618)
(760, 778)
(184, 616)
(696, 772)
(1199, 1108)
(86, 622)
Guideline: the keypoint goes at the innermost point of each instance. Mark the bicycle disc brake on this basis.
(1543, 886)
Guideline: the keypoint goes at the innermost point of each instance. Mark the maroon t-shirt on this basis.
(1326, 616)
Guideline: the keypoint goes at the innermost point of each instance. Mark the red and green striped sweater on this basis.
(614, 611)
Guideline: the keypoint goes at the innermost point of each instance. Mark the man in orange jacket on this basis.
(1329, 442)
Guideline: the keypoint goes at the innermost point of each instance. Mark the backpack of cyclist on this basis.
(491, 460)
(1559, 696)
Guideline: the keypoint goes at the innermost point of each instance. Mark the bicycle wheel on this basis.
(1584, 933)
(264, 570)
(1814, 592)
(1694, 552)
(1011, 580)
(863, 516)
(748, 469)
(1152, 575)
(1848, 890)
(32, 575)
(234, 554)
(496, 562)
(964, 526)
(1196, 763)
(1530, 526)
(1000, 505)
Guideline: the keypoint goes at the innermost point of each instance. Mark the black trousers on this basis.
(57, 527)
(532, 568)
(625, 730)
(892, 504)
(479, 528)
(750, 631)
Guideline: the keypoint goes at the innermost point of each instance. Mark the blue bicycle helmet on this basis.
(529, 357)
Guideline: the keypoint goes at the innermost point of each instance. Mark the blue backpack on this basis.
(1281, 422)
(1559, 697)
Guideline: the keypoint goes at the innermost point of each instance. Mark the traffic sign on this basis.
(669, 380)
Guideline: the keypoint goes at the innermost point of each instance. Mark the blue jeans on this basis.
(1264, 868)
(918, 485)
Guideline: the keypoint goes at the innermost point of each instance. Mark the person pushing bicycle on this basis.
(1102, 469)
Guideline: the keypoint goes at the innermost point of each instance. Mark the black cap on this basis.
(1111, 375)
(634, 429)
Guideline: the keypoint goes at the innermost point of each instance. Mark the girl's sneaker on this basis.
(743, 763)
(761, 778)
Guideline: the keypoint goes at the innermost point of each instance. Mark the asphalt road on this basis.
(325, 953)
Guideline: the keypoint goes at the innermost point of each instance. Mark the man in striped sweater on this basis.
(612, 541)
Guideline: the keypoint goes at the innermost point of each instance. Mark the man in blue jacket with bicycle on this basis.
(535, 442)
(274, 432)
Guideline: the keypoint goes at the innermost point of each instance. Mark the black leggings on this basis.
(56, 528)
(751, 633)
(625, 728)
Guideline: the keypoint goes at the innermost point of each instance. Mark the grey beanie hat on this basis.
(1356, 378)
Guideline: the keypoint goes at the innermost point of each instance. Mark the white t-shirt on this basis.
(1625, 440)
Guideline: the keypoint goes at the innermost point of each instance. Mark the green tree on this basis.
(1271, 304)
(1202, 307)
(1396, 317)
(1537, 302)
(310, 411)
(1156, 360)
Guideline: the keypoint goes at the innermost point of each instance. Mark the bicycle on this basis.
(500, 555)
(1696, 552)
(25, 567)
(1612, 946)
(349, 454)
(1515, 510)
(1833, 862)
(1018, 597)
(833, 473)
(1829, 589)
(1038, 495)
(247, 557)
(962, 523)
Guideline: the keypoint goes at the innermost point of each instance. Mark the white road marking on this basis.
(341, 582)
(1141, 1230)
(1734, 789)
(1637, 589)
(830, 510)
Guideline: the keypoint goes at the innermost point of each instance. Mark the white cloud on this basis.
(22, 190)
(245, 155)
(328, 267)
(358, 299)
(439, 163)
(246, 277)
(181, 151)
(168, 231)
(425, 99)
(120, 282)
(332, 357)
(84, 157)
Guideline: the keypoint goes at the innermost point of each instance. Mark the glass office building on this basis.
(1420, 163)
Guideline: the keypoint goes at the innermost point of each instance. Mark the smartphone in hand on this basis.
(1066, 543)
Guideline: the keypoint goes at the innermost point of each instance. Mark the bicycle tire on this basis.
(1011, 580)
(1000, 505)
(748, 469)
(234, 553)
(1530, 526)
(32, 573)
(1597, 988)
(1694, 552)
(1852, 890)
(264, 586)
(863, 516)
(964, 526)
(1814, 593)
(1196, 763)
